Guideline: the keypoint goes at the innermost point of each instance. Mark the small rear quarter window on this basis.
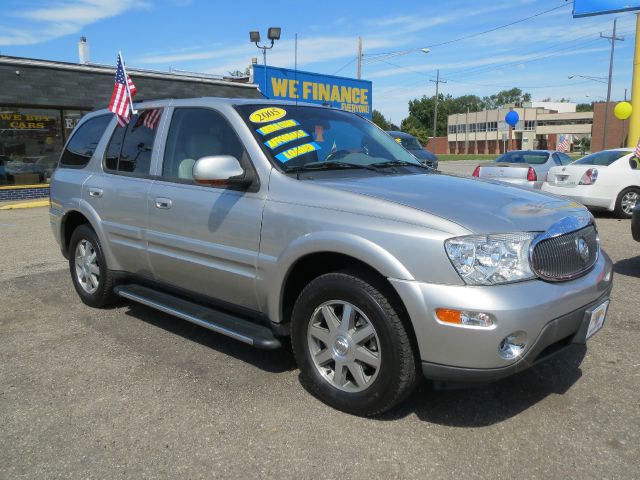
(84, 141)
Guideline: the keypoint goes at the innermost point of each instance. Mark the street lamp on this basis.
(594, 79)
(273, 34)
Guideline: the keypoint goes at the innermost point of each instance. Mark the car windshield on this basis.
(410, 143)
(601, 158)
(532, 158)
(296, 137)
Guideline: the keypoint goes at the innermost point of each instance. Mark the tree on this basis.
(380, 120)
(506, 97)
(240, 73)
(584, 107)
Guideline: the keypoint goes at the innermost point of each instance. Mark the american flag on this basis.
(120, 99)
(563, 144)
(637, 152)
(150, 118)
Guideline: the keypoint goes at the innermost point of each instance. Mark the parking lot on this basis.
(131, 392)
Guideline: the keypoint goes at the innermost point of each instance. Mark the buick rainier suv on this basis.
(282, 224)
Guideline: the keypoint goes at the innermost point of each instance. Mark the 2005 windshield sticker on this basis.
(298, 151)
(276, 142)
(268, 114)
(274, 127)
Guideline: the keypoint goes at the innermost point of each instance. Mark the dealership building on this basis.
(41, 102)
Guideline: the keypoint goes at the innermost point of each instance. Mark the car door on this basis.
(204, 239)
(119, 191)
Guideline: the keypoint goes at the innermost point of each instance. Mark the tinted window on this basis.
(130, 148)
(556, 159)
(603, 159)
(197, 133)
(565, 159)
(532, 158)
(84, 142)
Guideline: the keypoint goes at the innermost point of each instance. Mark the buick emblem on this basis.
(583, 249)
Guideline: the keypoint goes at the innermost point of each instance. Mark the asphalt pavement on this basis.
(129, 392)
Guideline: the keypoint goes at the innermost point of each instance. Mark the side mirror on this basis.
(220, 170)
(633, 163)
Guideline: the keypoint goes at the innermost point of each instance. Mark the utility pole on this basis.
(613, 39)
(437, 81)
(466, 132)
(359, 56)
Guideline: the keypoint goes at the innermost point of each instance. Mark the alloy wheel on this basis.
(86, 265)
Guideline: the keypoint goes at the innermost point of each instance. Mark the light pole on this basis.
(594, 79)
(613, 39)
(273, 34)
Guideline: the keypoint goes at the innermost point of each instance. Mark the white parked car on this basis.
(606, 179)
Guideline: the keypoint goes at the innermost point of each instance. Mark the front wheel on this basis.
(351, 345)
(626, 201)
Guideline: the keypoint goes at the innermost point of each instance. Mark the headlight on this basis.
(491, 259)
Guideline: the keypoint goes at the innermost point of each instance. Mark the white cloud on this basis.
(60, 19)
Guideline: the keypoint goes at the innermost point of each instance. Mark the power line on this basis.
(374, 56)
(473, 35)
(345, 65)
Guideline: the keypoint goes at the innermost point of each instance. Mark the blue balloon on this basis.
(512, 118)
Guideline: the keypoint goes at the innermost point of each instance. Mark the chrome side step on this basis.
(232, 326)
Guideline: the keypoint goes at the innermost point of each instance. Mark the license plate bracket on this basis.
(597, 318)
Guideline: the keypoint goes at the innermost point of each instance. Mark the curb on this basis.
(27, 204)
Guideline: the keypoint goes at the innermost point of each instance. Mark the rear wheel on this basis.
(626, 201)
(91, 278)
(351, 345)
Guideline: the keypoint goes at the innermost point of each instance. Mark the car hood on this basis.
(423, 155)
(478, 205)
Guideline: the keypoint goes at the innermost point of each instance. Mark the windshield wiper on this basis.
(397, 163)
(330, 165)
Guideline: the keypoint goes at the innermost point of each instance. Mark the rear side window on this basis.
(84, 142)
(129, 150)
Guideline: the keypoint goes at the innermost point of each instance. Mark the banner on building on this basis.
(586, 8)
(345, 93)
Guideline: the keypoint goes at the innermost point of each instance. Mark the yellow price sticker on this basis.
(267, 114)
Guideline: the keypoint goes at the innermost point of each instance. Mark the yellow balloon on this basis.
(622, 111)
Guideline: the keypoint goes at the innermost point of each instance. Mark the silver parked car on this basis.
(262, 220)
(526, 168)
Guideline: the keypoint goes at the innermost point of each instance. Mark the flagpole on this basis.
(126, 82)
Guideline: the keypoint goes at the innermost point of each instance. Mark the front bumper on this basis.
(556, 336)
(546, 312)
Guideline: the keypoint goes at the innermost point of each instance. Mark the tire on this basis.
(626, 201)
(96, 290)
(376, 334)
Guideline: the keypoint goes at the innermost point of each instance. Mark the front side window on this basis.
(298, 136)
(129, 150)
(84, 141)
(602, 159)
(410, 143)
(195, 133)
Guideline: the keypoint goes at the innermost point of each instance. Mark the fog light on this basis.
(461, 317)
(512, 345)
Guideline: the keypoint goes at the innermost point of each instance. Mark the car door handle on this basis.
(95, 192)
(164, 203)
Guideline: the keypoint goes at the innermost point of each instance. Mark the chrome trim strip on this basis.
(189, 318)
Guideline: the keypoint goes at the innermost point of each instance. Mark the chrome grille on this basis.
(564, 257)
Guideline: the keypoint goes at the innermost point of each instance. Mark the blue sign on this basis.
(345, 93)
(586, 8)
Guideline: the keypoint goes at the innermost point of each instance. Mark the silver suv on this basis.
(264, 220)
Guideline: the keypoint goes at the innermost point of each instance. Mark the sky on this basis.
(535, 54)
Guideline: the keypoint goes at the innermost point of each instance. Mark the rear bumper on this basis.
(537, 185)
(556, 336)
(588, 195)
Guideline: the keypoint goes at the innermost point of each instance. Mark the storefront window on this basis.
(30, 144)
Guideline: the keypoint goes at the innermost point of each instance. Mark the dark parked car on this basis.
(412, 144)
(635, 222)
